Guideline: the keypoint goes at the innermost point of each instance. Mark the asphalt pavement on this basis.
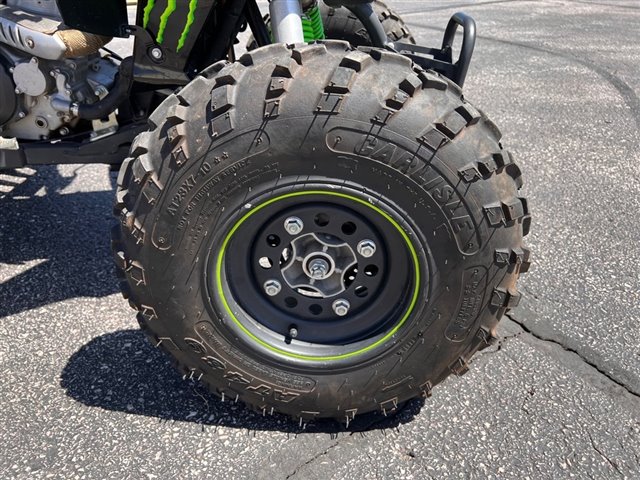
(83, 395)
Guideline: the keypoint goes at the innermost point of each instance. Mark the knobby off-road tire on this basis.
(355, 144)
(341, 24)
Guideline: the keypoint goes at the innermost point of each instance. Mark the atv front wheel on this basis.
(341, 24)
(320, 231)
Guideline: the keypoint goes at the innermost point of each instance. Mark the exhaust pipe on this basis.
(43, 38)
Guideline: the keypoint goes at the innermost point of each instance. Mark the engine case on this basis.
(39, 78)
(31, 90)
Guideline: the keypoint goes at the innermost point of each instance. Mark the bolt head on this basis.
(319, 268)
(156, 53)
(272, 287)
(293, 225)
(367, 248)
(341, 307)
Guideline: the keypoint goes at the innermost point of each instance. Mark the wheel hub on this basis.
(317, 265)
(318, 268)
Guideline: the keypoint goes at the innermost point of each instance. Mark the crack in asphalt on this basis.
(503, 340)
(613, 464)
(362, 430)
(594, 365)
(500, 344)
(314, 458)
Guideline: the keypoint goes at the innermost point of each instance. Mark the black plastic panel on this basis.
(102, 17)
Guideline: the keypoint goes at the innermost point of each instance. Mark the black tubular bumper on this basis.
(438, 59)
(441, 59)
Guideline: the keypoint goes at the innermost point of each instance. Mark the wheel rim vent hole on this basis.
(273, 241)
(349, 228)
(291, 302)
(315, 309)
(371, 270)
(350, 276)
(361, 291)
(308, 292)
(285, 256)
(322, 220)
(265, 262)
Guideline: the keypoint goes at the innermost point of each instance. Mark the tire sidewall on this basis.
(205, 330)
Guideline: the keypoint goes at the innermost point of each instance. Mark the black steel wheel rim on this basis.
(339, 286)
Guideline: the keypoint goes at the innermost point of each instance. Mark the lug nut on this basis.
(367, 248)
(341, 307)
(272, 287)
(293, 225)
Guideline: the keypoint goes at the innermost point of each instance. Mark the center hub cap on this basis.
(318, 268)
(317, 264)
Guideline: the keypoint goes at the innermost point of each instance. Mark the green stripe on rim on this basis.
(414, 258)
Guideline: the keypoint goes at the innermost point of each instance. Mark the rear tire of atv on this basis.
(341, 24)
(358, 158)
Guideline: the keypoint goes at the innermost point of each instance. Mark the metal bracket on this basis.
(109, 149)
(151, 65)
(103, 127)
(441, 59)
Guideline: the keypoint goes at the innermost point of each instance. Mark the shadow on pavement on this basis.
(63, 239)
(122, 372)
(65, 236)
